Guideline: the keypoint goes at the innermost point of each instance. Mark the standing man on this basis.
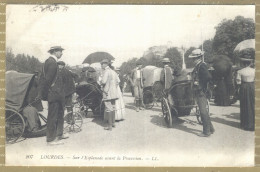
(136, 80)
(109, 84)
(201, 77)
(69, 85)
(52, 90)
(166, 75)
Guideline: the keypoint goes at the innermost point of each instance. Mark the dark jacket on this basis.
(68, 79)
(51, 84)
(202, 75)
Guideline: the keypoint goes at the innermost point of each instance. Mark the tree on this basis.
(188, 61)
(175, 58)
(207, 48)
(230, 32)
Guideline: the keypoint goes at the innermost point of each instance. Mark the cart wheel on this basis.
(14, 125)
(148, 99)
(73, 122)
(198, 112)
(166, 112)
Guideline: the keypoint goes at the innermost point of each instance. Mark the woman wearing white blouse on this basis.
(246, 78)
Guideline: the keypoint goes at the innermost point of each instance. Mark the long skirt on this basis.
(222, 97)
(119, 106)
(247, 106)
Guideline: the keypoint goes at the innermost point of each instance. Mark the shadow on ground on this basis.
(179, 124)
(227, 122)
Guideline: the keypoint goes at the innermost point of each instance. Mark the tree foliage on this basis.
(188, 61)
(22, 63)
(175, 58)
(231, 32)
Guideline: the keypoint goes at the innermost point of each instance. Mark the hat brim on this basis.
(195, 56)
(104, 62)
(244, 59)
(56, 49)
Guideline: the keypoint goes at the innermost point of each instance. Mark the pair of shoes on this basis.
(108, 128)
(203, 134)
(141, 108)
(113, 125)
(55, 142)
(64, 136)
(137, 110)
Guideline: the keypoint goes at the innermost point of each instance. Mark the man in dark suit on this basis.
(52, 90)
(69, 84)
(201, 77)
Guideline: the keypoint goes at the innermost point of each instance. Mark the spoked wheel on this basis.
(73, 122)
(14, 125)
(148, 99)
(167, 115)
(198, 112)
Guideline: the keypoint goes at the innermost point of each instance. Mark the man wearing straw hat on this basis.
(52, 90)
(201, 77)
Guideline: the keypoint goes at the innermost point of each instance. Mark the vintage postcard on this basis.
(130, 85)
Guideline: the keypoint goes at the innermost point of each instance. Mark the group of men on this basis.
(201, 77)
(57, 87)
(52, 88)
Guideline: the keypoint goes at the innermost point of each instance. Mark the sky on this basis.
(124, 31)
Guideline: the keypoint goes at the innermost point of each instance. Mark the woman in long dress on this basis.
(119, 104)
(246, 77)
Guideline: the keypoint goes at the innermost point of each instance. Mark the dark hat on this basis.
(55, 48)
(196, 53)
(177, 72)
(61, 63)
(138, 63)
(105, 61)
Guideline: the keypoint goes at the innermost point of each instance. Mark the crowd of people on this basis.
(57, 86)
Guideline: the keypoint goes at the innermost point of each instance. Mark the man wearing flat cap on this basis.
(109, 82)
(52, 90)
(167, 74)
(69, 85)
(201, 77)
(136, 81)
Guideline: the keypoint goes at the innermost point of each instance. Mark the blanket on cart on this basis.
(17, 86)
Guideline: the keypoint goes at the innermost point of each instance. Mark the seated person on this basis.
(181, 75)
(32, 122)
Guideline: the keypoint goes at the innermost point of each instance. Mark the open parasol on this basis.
(246, 44)
(98, 57)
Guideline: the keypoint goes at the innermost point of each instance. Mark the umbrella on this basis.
(246, 44)
(221, 64)
(98, 57)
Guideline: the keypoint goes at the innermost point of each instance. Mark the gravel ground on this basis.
(143, 139)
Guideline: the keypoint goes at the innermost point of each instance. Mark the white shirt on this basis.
(138, 73)
(54, 57)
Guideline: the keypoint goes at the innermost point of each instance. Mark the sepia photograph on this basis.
(130, 85)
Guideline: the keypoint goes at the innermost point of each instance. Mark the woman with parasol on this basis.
(246, 78)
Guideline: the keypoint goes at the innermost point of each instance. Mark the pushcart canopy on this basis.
(17, 85)
(151, 74)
